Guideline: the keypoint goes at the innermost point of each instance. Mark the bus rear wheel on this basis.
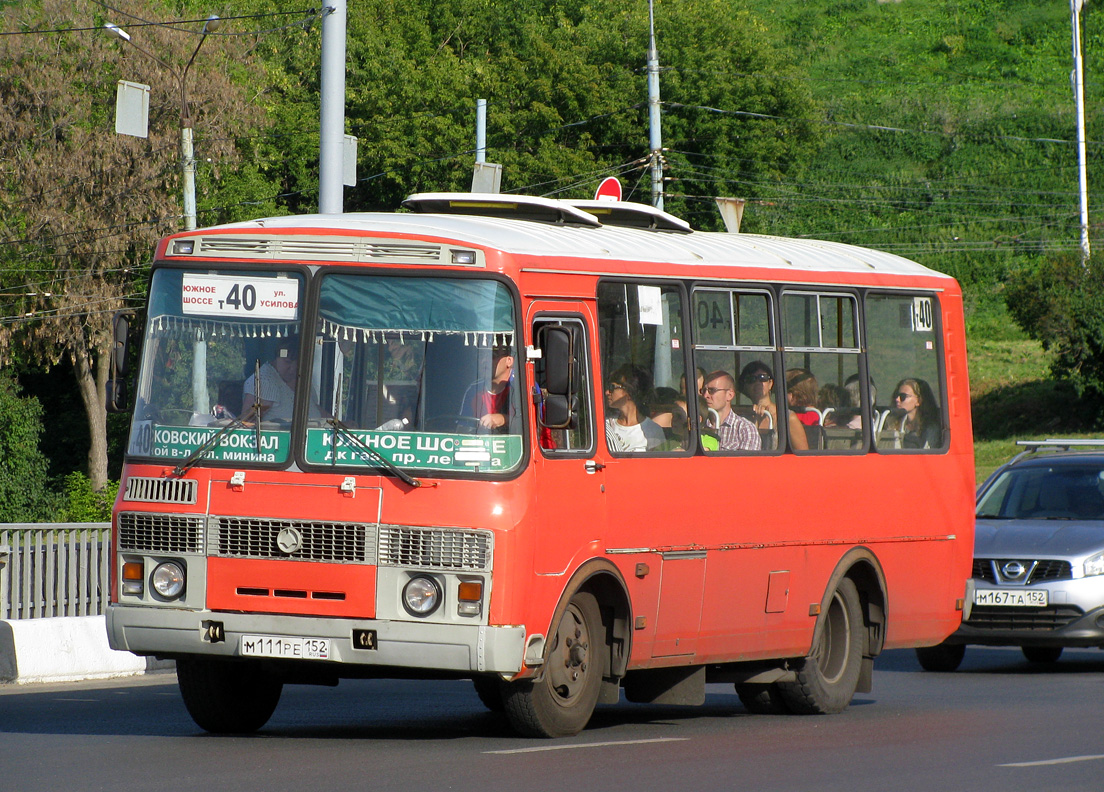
(560, 701)
(828, 677)
(225, 697)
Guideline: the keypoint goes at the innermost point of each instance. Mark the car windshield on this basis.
(1051, 492)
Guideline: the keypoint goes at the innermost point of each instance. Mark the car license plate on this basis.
(283, 647)
(1016, 599)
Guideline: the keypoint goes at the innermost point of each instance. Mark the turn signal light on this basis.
(470, 591)
(132, 577)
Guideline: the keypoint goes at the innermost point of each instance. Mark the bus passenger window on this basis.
(736, 357)
(904, 359)
(822, 353)
(643, 354)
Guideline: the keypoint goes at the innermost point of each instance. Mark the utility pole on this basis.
(655, 138)
(187, 153)
(1078, 79)
(332, 115)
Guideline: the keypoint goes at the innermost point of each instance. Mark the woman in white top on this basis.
(630, 430)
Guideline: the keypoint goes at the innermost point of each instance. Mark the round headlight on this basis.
(421, 596)
(168, 580)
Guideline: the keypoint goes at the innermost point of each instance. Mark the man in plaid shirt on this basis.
(733, 432)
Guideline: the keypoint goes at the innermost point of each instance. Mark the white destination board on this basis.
(240, 295)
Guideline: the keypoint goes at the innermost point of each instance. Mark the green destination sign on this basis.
(237, 445)
(415, 450)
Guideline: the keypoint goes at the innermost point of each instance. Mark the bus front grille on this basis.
(160, 533)
(145, 489)
(292, 540)
(435, 548)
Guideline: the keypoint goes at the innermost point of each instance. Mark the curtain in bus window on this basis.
(354, 307)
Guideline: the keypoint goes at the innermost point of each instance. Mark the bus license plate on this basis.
(1016, 599)
(286, 648)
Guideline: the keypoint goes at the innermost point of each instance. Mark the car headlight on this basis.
(1094, 565)
(421, 596)
(168, 579)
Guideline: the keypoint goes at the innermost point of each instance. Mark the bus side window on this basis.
(904, 352)
(561, 392)
(822, 351)
(642, 347)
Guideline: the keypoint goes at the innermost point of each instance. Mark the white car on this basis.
(1038, 556)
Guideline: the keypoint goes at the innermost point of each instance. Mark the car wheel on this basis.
(942, 657)
(1042, 654)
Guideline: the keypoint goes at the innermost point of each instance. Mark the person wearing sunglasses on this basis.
(734, 432)
(628, 428)
(757, 384)
(920, 426)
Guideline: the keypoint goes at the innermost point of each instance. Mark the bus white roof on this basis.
(601, 243)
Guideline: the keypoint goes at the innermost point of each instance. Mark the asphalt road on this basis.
(999, 723)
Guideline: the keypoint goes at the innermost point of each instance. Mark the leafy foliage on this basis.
(24, 492)
(1061, 303)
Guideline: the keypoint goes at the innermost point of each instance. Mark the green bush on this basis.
(84, 504)
(25, 494)
(1061, 304)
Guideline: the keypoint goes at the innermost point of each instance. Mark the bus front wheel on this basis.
(226, 697)
(828, 677)
(560, 701)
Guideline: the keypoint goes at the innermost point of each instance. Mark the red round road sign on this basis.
(608, 190)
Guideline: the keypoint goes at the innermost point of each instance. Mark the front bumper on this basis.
(1054, 626)
(410, 645)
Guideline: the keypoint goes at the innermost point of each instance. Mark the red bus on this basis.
(562, 449)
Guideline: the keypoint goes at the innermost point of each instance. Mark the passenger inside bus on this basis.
(734, 432)
(801, 395)
(757, 384)
(920, 425)
(488, 399)
(630, 430)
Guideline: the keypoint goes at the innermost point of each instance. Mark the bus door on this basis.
(570, 499)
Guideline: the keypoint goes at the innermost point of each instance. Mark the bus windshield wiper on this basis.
(384, 462)
(210, 444)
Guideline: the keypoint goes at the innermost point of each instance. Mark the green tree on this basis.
(81, 207)
(25, 495)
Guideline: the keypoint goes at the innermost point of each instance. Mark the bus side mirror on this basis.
(120, 335)
(558, 389)
(115, 391)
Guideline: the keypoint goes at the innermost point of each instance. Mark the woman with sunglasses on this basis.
(920, 426)
(628, 428)
(757, 384)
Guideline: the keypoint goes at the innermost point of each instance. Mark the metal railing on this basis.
(54, 569)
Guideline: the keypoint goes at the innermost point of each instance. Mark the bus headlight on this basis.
(421, 596)
(168, 580)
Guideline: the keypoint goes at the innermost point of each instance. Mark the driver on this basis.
(489, 399)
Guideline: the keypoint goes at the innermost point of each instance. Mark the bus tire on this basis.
(828, 677)
(489, 690)
(1041, 654)
(561, 699)
(227, 697)
(941, 658)
(761, 699)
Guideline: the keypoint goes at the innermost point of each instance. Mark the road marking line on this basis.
(1065, 760)
(588, 745)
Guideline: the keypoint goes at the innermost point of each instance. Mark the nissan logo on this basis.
(1013, 570)
(289, 540)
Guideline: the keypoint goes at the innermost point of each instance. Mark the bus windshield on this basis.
(420, 370)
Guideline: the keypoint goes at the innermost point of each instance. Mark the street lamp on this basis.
(187, 155)
(1077, 77)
